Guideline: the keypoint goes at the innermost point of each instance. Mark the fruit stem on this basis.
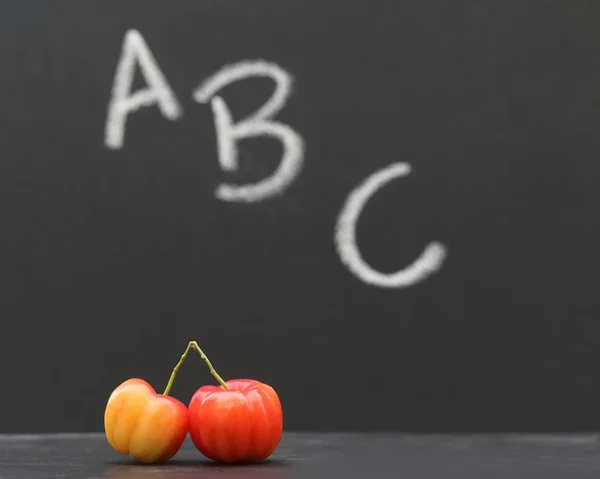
(195, 346)
(176, 368)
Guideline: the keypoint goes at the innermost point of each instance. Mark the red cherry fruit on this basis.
(240, 423)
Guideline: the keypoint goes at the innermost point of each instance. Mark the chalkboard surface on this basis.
(387, 210)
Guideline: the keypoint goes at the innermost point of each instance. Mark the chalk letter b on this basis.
(257, 124)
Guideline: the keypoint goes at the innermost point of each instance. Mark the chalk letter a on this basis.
(123, 102)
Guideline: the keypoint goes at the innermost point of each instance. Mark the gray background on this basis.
(113, 260)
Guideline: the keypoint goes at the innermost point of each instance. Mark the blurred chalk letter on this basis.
(257, 124)
(123, 102)
(345, 237)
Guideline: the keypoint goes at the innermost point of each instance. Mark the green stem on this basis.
(195, 346)
(176, 368)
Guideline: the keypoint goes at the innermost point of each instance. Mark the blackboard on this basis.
(404, 238)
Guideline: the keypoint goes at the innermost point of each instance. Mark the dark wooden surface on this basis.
(304, 455)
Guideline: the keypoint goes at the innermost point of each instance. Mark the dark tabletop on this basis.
(371, 456)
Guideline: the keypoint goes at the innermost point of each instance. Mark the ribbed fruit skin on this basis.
(149, 427)
(241, 424)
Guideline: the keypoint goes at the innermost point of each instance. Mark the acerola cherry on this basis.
(239, 421)
(148, 426)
